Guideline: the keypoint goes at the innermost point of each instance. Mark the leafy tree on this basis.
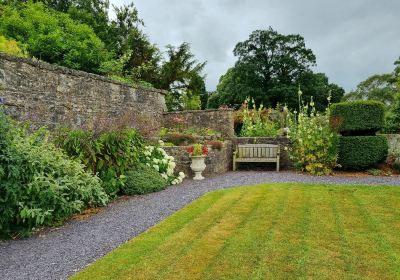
(376, 87)
(53, 36)
(269, 69)
(179, 73)
(317, 87)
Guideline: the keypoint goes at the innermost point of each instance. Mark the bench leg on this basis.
(277, 164)
(234, 165)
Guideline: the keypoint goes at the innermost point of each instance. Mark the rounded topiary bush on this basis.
(358, 117)
(362, 152)
(143, 179)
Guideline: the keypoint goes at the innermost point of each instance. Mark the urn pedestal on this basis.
(198, 165)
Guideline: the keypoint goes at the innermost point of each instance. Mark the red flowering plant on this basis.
(198, 150)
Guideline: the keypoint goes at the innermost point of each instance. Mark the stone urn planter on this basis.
(198, 165)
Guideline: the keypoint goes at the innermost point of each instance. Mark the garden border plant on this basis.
(314, 146)
(39, 184)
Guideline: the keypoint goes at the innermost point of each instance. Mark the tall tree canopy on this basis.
(181, 75)
(269, 68)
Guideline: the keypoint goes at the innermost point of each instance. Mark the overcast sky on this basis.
(352, 39)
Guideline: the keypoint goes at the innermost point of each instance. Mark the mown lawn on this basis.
(279, 231)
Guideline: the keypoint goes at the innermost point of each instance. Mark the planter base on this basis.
(198, 165)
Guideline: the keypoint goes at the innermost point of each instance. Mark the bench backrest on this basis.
(257, 151)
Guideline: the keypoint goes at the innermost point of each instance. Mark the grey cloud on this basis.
(352, 39)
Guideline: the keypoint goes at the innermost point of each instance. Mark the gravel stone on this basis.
(59, 253)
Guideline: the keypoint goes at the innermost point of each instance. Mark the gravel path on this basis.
(59, 253)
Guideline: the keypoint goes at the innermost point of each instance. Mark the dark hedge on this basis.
(358, 117)
(362, 152)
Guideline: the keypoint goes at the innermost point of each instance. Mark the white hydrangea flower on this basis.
(156, 167)
(182, 175)
(161, 142)
(165, 176)
(170, 172)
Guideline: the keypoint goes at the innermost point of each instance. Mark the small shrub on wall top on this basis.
(39, 184)
(362, 152)
(314, 144)
(358, 117)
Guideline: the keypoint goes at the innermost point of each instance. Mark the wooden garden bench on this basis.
(256, 153)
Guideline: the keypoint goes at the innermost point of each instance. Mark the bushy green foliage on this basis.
(109, 154)
(362, 152)
(358, 117)
(255, 124)
(393, 116)
(39, 184)
(53, 36)
(143, 179)
(314, 144)
(11, 47)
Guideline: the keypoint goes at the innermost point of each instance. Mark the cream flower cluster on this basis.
(157, 158)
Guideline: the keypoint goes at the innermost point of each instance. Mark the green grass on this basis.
(279, 231)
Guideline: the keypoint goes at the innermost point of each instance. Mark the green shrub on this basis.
(39, 184)
(143, 179)
(362, 152)
(314, 146)
(109, 154)
(358, 117)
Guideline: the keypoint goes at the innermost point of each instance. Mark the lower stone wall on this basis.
(394, 143)
(217, 161)
(285, 162)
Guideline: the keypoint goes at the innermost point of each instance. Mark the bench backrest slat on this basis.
(258, 151)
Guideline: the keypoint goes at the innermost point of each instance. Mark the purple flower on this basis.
(2, 100)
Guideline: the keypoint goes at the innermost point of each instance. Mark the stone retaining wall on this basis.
(51, 95)
(220, 120)
(394, 143)
(217, 161)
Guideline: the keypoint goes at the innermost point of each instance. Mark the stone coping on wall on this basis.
(78, 73)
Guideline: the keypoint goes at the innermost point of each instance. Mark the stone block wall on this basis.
(220, 120)
(50, 95)
(285, 161)
(217, 161)
(394, 143)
